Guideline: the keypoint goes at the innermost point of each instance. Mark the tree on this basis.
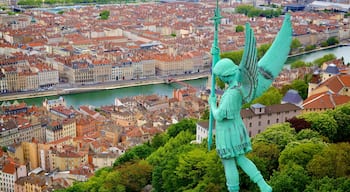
(323, 123)
(185, 124)
(342, 116)
(301, 86)
(309, 134)
(332, 41)
(135, 176)
(268, 154)
(165, 160)
(295, 44)
(263, 49)
(159, 140)
(270, 97)
(279, 134)
(104, 14)
(326, 184)
(325, 58)
(300, 152)
(292, 178)
(333, 161)
(297, 64)
(239, 28)
(298, 123)
(136, 153)
(235, 56)
(191, 169)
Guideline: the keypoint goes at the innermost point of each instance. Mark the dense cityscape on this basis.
(56, 51)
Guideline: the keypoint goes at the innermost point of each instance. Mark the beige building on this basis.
(101, 160)
(69, 160)
(123, 71)
(32, 183)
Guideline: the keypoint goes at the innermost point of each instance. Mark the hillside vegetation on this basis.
(308, 153)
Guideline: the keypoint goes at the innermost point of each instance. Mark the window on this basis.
(268, 122)
(259, 116)
(250, 133)
(250, 124)
(259, 123)
(259, 131)
(277, 120)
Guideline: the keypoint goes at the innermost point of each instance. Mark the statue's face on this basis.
(230, 78)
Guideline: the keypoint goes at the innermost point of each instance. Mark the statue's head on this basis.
(226, 70)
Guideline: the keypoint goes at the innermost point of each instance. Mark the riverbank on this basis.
(319, 49)
(98, 87)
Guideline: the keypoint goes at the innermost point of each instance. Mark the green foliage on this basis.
(301, 86)
(342, 117)
(165, 160)
(235, 56)
(244, 9)
(278, 134)
(332, 41)
(239, 28)
(295, 44)
(293, 161)
(326, 184)
(300, 63)
(30, 2)
(104, 14)
(205, 115)
(309, 134)
(346, 15)
(136, 153)
(300, 152)
(333, 161)
(292, 178)
(250, 11)
(159, 140)
(60, 12)
(4, 148)
(267, 154)
(323, 123)
(270, 97)
(310, 47)
(183, 125)
(135, 176)
(263, 49)
(173, 34)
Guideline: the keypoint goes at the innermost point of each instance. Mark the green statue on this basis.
(244, 83)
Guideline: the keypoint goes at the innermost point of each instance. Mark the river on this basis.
(106, 97)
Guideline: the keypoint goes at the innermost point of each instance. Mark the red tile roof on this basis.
(325, 100)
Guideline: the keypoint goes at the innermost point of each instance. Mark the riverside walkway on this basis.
(97, 87)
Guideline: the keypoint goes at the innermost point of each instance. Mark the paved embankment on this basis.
(95, 87)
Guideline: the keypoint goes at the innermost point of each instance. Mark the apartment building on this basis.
(10, 171)
(69, 160)
(19, 129)
(85, 125)
(60, 129)
(31, 183)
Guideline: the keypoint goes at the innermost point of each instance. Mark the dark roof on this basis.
(270, 109)
(332, 69)
(292, 96)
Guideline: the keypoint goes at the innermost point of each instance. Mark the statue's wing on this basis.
(248, 66)
(271, 64)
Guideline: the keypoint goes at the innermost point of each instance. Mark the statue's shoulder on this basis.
(233, 91)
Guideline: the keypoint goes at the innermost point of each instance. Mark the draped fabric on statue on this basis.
(232, 138)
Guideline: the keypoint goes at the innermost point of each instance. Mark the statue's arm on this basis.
(226, 108)
(216, 110)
